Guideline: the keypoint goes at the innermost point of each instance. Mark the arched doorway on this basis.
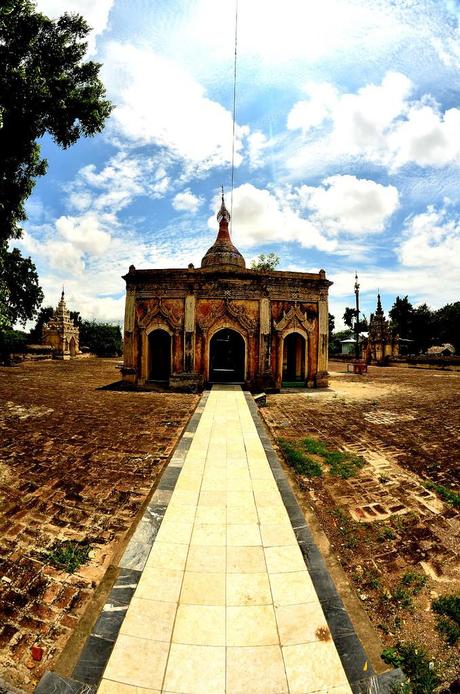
(294, 359)
(72, 349)
(226, 357)
(159, 355)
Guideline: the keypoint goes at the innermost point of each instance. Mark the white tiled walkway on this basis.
(225, 603)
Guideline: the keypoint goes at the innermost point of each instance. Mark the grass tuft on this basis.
(68, 555)
(448, 495)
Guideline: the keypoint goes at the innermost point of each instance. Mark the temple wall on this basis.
(192, 305)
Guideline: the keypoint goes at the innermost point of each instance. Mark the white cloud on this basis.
(257, 143)
(89, 232)
(339, 207)
(159, 102)
(187, 202)
(378, 123)
(349, 204)
(311, 112)
(95, 12)
(427, 137)
(432, 240)
(259, 217)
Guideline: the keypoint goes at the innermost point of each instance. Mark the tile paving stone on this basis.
(225, 602)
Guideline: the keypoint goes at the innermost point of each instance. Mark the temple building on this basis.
(381, 342)
(225, 323)
(61, 333)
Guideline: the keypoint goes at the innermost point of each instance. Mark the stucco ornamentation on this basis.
(160, 310)
(295, 318)
(232, 310)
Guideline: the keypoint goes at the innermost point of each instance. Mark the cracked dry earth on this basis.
(384, 524)
(76, 462)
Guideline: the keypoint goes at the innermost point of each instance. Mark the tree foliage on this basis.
(401, 316)
(266, 263)
(20, 294)
(43, 316)
(349, 318)
(45, 87)
(102, 339)
(424, 326)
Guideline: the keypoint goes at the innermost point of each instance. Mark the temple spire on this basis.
(379, 309)
(223, 253)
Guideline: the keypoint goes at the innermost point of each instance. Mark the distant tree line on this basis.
(101, 339)
(423, 325)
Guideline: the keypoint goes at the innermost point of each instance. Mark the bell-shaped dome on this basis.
(223, 255)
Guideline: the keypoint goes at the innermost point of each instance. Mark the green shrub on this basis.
(385, 533)
(447, 607)
(415, 581)
(416, 665)
(12, 341)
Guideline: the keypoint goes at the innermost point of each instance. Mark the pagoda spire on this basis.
(223, 254)
(379, 310)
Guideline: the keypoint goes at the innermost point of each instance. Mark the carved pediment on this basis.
(228, 308)
(295, 318)
(159, 310)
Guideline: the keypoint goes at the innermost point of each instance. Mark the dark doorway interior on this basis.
(294, 359)
(226, 357)
(159, 355)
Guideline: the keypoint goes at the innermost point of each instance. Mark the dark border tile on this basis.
(51, 683)
(93, 659)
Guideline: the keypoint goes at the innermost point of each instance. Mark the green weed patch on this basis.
(448, 495)
(68, 555)
(298, 454)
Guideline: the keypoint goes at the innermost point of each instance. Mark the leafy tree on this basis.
(401, 315)
(447, 325)
(331, 322)
(20, 294)
(267, 263)
(77, 319)
(45, 87)
(103, 339)
(44, 315)
(422, 330)
(349, 317)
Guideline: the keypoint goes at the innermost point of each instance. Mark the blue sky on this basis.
(347, 147)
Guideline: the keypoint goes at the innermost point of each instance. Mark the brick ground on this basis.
(384, 523)
(76, 462)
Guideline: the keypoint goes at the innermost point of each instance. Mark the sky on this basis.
(347, 148)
